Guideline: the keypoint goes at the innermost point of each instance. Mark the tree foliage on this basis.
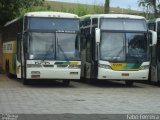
(151, 5)
(106, 6)
(9, 9)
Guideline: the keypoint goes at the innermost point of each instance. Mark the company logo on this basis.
(117, 64)
(42, 62)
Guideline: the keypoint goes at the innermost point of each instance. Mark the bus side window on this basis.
(152, 26)
(83, 39)
(158, 41)
(158, 31)
(158, 52)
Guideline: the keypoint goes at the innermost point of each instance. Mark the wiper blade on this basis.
(47, 52)
(136, 58)
(66, 58)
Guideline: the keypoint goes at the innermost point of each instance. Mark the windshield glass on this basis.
(53, 24)
(41, 46)
(54, 46)
(123, 24)
(137, 47)
(68, 46)
(126, 47)
(112, 46)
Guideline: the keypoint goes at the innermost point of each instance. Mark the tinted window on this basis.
(123, 24)
(53, 24)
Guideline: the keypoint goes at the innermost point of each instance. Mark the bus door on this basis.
(18, 57)
(153, 64)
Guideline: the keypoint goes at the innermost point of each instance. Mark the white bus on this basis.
(154, 25)
(115, 47)
(42, 45)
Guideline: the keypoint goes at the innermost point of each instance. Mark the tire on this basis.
(158, 83)
(7, 68)
(25, 81)
(9, 75)
(149, 76)
(129, 83)
(66, 82)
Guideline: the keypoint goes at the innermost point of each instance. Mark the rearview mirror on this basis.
(97, 35)
(154, 37)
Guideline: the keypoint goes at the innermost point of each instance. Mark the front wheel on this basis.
(25, 81)
(158, 83)
(129, 83)
(7, 69)
(66, 82)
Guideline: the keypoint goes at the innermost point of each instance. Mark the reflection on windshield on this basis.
(111, 47)
(42, 46)
(54, 46)
(130, 47)
(137, 46)
(66, 46)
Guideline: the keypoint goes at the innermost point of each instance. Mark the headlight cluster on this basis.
(74, 66)
(33, 65)
(144, 67)
(104, 66)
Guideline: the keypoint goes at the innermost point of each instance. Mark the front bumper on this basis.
(109, 74)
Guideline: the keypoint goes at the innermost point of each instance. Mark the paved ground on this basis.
(48, 97)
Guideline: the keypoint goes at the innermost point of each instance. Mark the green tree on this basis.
(107, 6)
(9, 9)
(150, 4)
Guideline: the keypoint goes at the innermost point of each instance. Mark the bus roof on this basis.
(45, 14)
(113, 16)
(51, 14)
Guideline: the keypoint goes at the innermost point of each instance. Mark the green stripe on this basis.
(132, 66)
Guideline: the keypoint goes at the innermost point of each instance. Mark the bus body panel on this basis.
(122, 75)
(37, 69)
(154, 24)
(9, 57)
(131, 67)
(130, 73)
(18, 34)
(51, 73)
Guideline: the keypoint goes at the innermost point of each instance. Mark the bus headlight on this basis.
(144, 67)
(104, 66)
(74, 66)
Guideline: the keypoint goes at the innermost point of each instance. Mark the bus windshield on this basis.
(67, 46)
(124, 47)
(53, 46)
(53, 24)
(41, 45)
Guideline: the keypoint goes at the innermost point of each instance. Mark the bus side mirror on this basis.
(97, 35)
(154, 37)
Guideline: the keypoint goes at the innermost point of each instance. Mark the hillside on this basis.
(82, 9)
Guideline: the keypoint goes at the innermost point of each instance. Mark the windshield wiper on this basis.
(66, 58)
(136, 58)
(46, 54)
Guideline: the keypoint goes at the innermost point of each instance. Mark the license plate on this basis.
(125, 74)
(35, 76)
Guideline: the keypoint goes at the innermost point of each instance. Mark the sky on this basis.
(132, 4)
